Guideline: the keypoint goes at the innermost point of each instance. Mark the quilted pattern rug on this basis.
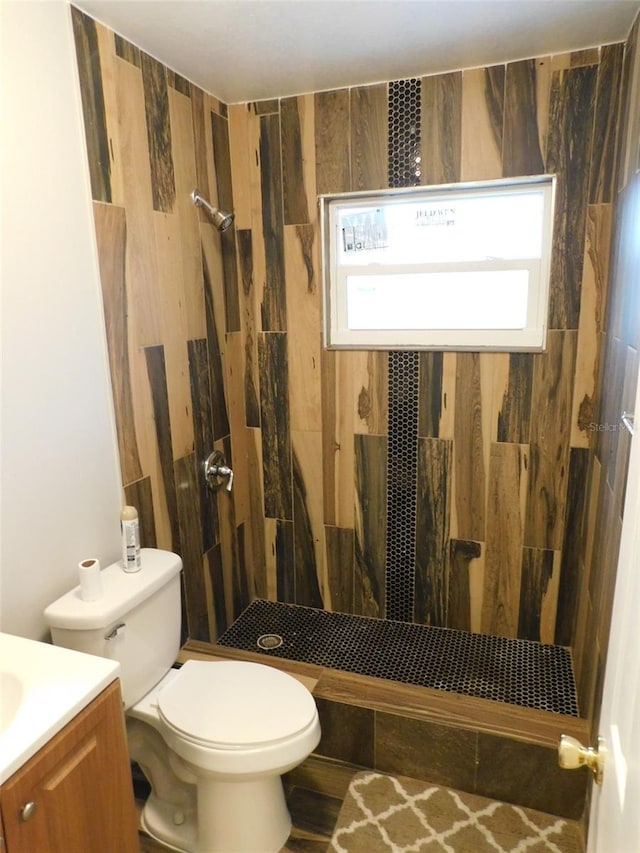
(386, 813)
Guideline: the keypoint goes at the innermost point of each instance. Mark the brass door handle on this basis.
(572, 754)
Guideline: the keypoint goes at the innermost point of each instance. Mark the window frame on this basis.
(532, 338)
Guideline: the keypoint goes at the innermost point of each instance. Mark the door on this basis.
(615, 812)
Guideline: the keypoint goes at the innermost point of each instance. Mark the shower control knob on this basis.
(216, 471)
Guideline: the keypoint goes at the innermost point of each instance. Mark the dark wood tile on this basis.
(307, 587)
(432, 530)
(571, 112)
(285, 561)
(371, 513)
(470, 478)
(501, 592)
(572, 547)
(263, 108)
(441, 132)
(314, 816)
(296, 204)
(550, 433)
(157, 374)
(461, 553)
(537, 571)
(369, 155)
(339, 543)
(92, 94)
(512, 771)
(442, 754)
(127, 51)
(521, 154)
(605, 131)
(218, 394)
(347, 732)
(188, 498)
(430, 394)
(514, 418)
(111, 236)
(156, 102)
(199, 374)
(332, 132)
(179, 83)
(213, 562)
(245, 265)
(274, 307)
(276, 435)
(199, 137)
(222, 164)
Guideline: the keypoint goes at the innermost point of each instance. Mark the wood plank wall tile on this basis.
(521, 154)
(189, 283)
(482, 123)
(430, 394)
(197, 98)
(161, 415)
(461, 606)
(595, 280)
(222, 161)
(274, 308)
(156, 101)
(141, 262)
(307, 521)
(276, 436)
(370, 524)
(441, 134)
(296, 201)
(214, 338)
(432, 530)
(93, 106)
(469, 451)
(332, 124)
(203, 443)
(339, 543)
(507, 486)
(111, 235)
(188, 498)
(551, 400)
(537, 572)
(571, 113)
(250, 359)
(605, 132)
(369, 135)
(514, 418)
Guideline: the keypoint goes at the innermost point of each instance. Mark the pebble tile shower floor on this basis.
(520, 672)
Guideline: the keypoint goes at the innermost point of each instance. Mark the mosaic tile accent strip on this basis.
(404, 133)
(519, 672)
(402, 482)
(402, 448)
(398, 814)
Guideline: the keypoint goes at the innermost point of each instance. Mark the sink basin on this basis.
(42, 688)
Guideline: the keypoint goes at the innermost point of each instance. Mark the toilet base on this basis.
(159, 820)
(242, 817)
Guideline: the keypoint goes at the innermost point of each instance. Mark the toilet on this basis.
(213, 737)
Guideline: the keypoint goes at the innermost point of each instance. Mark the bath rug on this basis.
(388, 813)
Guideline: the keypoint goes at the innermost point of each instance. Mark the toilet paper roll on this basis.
(90, 580)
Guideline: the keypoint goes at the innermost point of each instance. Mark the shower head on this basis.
(219, 218)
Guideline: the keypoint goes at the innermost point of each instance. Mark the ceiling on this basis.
(244, 50)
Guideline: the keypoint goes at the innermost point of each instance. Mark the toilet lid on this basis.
(235, 703)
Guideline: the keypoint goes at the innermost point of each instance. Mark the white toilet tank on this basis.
(136, 621)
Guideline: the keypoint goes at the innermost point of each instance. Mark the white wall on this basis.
(60, 477)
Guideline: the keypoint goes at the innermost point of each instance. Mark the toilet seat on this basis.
(235, 705)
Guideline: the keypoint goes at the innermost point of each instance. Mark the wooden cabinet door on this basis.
(81, 786)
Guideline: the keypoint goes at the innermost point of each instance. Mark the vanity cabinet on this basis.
(75, 795)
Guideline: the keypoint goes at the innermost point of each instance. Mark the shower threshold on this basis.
(518, 672)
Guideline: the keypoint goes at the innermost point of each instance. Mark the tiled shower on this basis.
(510, 523)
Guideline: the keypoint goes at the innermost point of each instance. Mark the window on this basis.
(461, 266)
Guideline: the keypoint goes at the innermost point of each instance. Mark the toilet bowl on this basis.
(213, 737)
(233, 728)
